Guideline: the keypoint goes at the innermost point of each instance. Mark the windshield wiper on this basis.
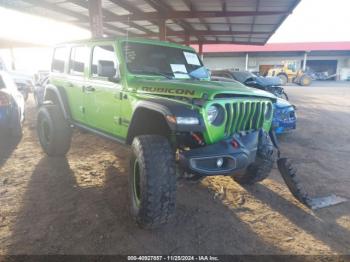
(184, 73)
(152, 72)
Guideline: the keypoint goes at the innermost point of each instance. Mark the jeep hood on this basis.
(194, 88)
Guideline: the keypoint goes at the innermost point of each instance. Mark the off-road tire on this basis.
(54, 131)
(152, 181)
(288, 172)
(305, 80)
(261, 168)
(284, 79)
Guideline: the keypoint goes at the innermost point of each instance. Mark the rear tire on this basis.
(53, 130)
(152, 181)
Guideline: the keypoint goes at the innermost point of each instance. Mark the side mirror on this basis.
(106, 69)
(208, 71)
(250, 82)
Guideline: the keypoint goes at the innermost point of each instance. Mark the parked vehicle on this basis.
(24, 82)
(269, 84)
(320, 76)
(288, 73)
(157, 97)
(284, 117)
(24, 86)
(39, 90)
(40, 75)
(11, 106)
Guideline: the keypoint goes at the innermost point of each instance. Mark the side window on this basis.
(104, 61)
(78, 57)
(59, 58)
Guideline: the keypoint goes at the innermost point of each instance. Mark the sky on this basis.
(311, 21)
(316, 21)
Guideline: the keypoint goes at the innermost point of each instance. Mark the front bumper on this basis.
(235, 156)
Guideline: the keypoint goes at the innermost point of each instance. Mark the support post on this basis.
(96, 18)
(187, 39)
(162, 30)
(305, 61)
(246, 61)
(200, 50)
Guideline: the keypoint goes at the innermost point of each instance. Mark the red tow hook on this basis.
(197, 138)
(234, 143)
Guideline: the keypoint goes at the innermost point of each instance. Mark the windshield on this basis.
(170, 62)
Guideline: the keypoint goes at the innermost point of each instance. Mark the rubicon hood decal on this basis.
(173, 91)
(194, 89)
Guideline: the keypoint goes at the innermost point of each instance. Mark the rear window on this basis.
(79, 56)
(59, 58)
(103, 53)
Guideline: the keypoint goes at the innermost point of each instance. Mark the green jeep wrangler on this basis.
(157, 97)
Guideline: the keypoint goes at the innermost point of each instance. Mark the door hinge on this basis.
(121, 121)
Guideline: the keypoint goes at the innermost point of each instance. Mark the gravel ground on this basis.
(79, 205)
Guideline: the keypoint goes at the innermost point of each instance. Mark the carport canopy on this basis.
(190, 22)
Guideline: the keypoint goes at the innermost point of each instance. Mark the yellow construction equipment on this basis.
(288, 73)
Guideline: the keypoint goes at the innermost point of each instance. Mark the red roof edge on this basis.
(277, 47)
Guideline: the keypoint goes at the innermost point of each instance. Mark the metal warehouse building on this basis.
(330, 57)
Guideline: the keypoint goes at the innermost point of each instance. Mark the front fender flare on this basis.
(56, 95)
(173, 108)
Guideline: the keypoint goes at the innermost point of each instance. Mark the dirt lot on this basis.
(78, 204)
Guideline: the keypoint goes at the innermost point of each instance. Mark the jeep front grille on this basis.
(244, 116)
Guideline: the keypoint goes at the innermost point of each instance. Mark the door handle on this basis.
(88, 89)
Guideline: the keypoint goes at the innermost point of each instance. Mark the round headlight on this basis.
(216, 114)
(213, 113)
